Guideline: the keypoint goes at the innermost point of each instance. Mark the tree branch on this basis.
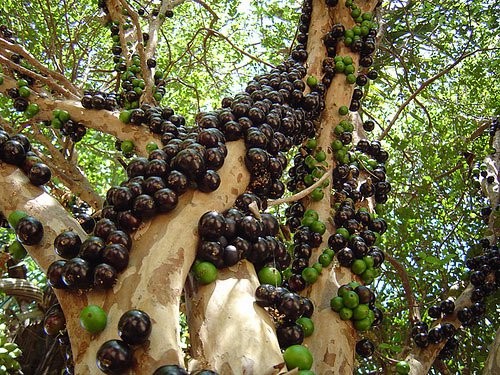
(4, 44)
(422, 86)
(101, 120)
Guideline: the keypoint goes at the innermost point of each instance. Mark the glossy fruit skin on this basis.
(29, 231)
(77, 274)
(105, 276)
(170, 370)
(54, 274)
(365, 348)
(134, 327)
(93, 318)
(114, 357)
(67, 244)
(298, 356)
(39, 174)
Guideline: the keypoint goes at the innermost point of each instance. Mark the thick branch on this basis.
(101, 120)
(160, 260)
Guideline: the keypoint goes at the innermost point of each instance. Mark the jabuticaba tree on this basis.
(193, 222)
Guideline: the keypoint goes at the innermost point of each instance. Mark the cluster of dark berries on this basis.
(116, 356)
(227, 238)
(7, 33)
(16, 150)
(289, 307)
(95, 262)
(423, 336)
(101, 100)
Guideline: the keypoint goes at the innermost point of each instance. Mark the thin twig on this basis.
(425, 84)
(405, 280)
(302, 194)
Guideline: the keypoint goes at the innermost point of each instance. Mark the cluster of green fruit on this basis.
(9, 352)
(317, 165)
(356, 302)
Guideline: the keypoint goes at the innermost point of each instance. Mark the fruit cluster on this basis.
(293, 312)
(116, 356)
(356, 302)
(95, 262)
(16, 150)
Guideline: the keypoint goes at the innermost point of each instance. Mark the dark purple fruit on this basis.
(103, 228)
(170, 370)
(29, 231)
(77, 274)
(105, 276)
(289, 334)
(39, 174)
(119, 237)
(115, 255)
(54, 274)
(134, 327)
(166, 199)
(434, 312)
(211, 225)
(91, 249)
(13, 152)
(365, 348)
(67, 244)
(54, 321)
(114, 357)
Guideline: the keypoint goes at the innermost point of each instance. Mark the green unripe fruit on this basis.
(320, 156)
(337, 303)
(351, 299)
(63, 115)
(22, 82)
(270, 275)
(358, 266)
(312, 81)
(24, 91)
(298, 356)
(343, 110)
(317, 194)
(32, 110)
(15, 216)
(318, 227)
(325, 259)
(318, 267)
(351, 78)
(311, 144)
(125, 116)
(307, 325)
(402, 367)
(360, 312)
(56, 123)
(127, 146)
(345, 313)
(93, 319)
(151, 146)
(363, 324)
(310, 275)
(205, 272)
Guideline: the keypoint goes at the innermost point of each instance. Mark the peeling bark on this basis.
(161, 257)
(229, 332)
(334, 352)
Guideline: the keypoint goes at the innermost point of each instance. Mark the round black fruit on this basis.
(365, 348)
(67, 244)
(29, 231)
(170, 370)
(114, 357)
(134, 327)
